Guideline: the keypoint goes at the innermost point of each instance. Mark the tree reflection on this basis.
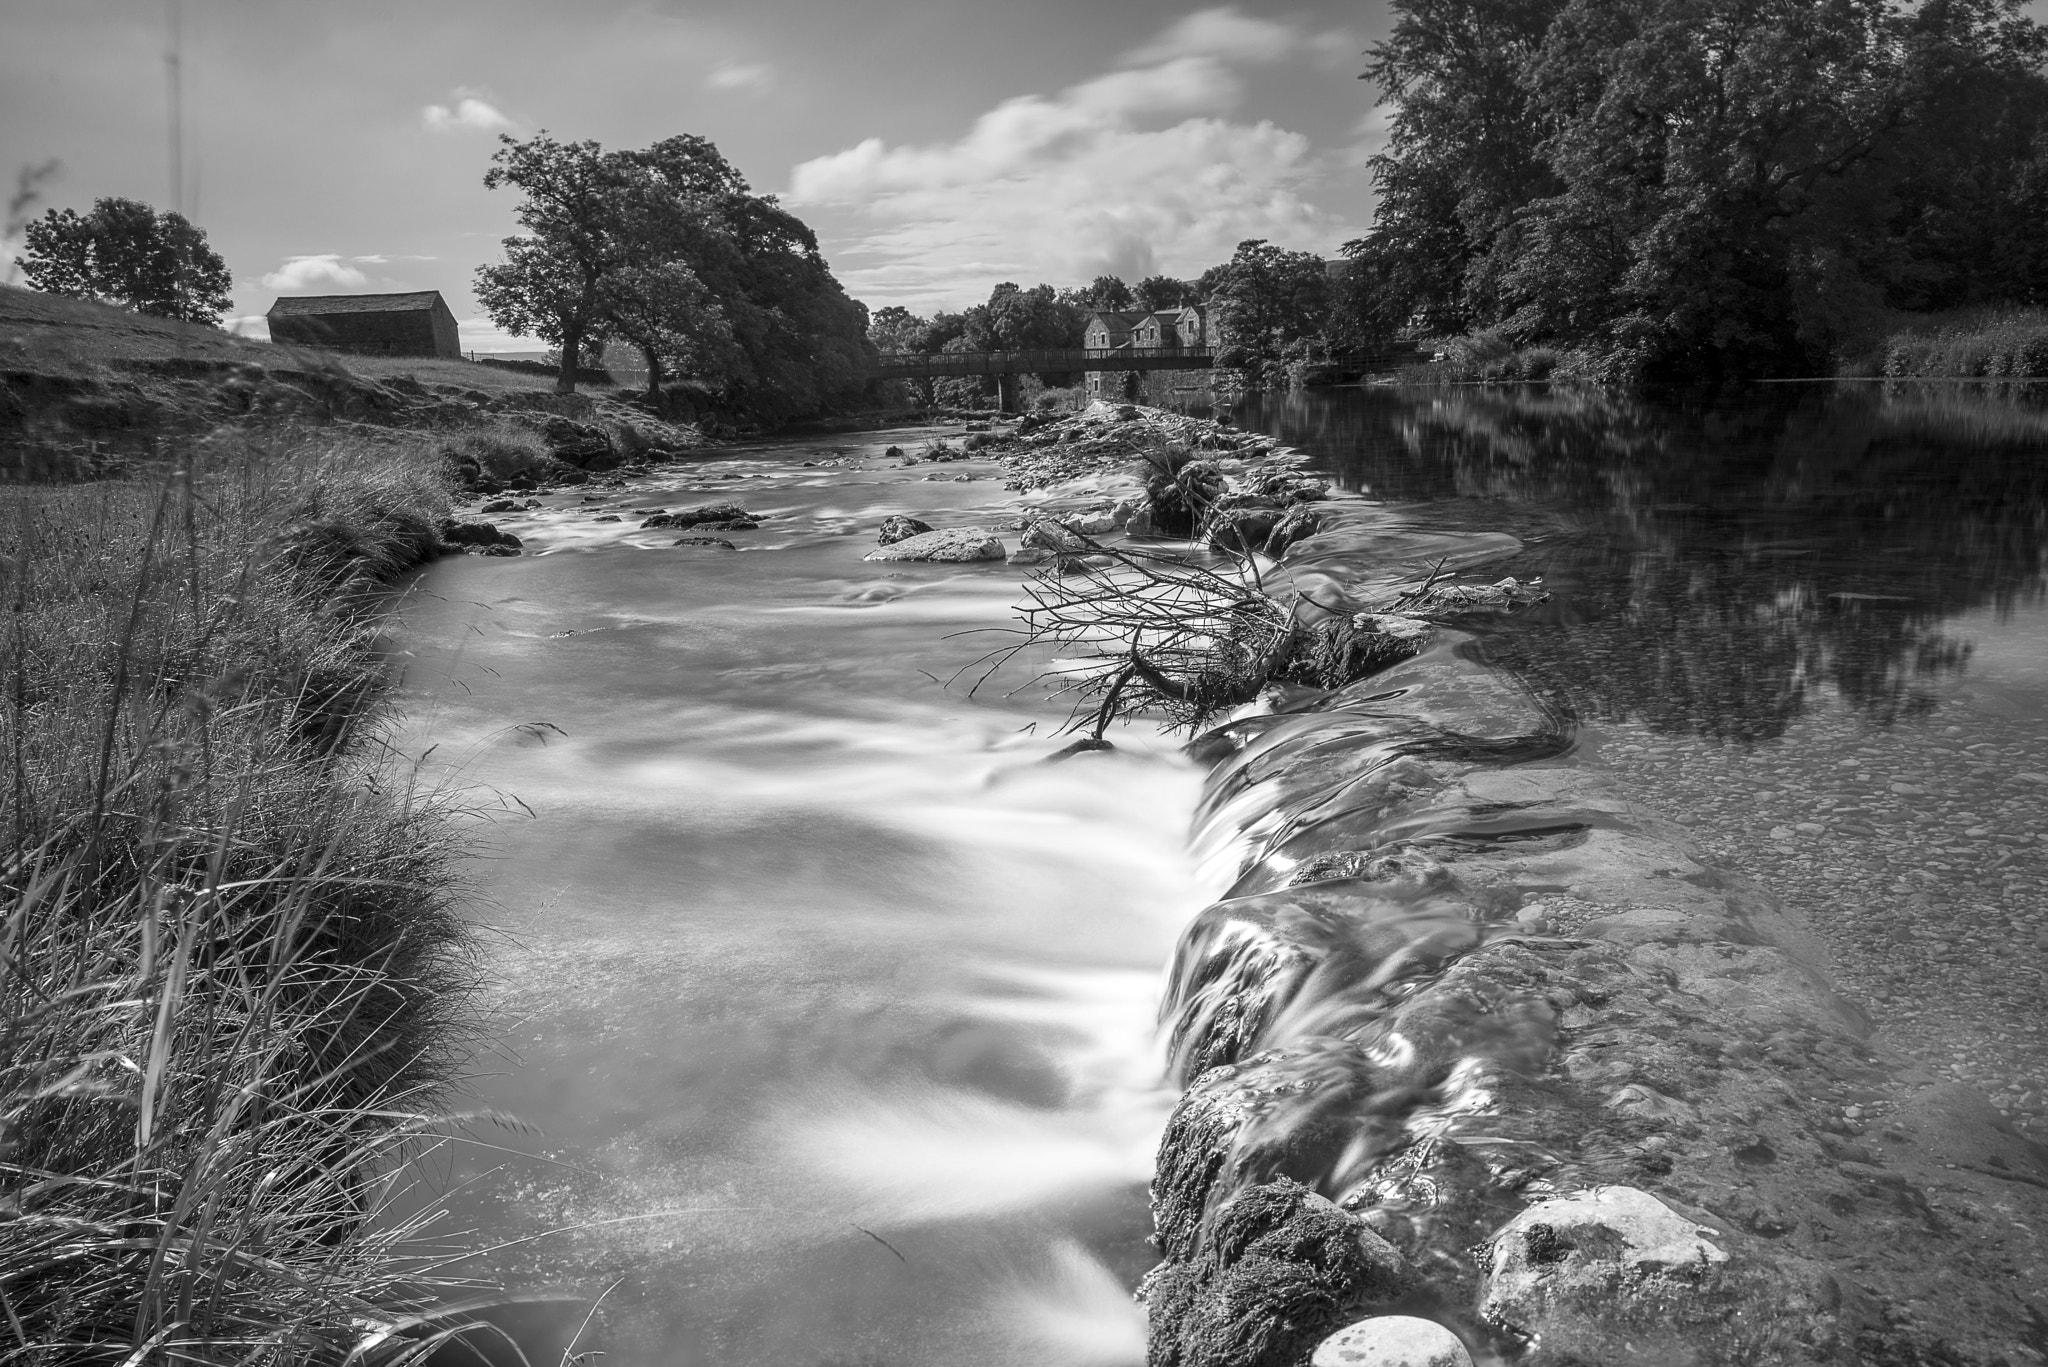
(1719, 562)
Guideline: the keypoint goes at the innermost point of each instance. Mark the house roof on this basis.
(1115, 320)
(299, 304)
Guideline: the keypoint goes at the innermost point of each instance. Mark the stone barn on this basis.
(417, 324)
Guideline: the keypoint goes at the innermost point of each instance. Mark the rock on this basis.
(477, 534)
(893, 453)
(719, 542)
(609, 517)
(899, 528)
(580, 444)
(1299, 524)
(1279, 1268)
(1243, 529)
(497, 550)
(1092, 524)
(501, 505)
(1591, 1243)
(1392, 1341)
(953, 545)
(729, 516)
(1047, 535)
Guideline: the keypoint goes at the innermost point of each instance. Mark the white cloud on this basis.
(752, 78)
(1136, 171)
(465, 110)
(1225, 31)
(329, 270)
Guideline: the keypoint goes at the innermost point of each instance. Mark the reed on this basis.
(232, 972)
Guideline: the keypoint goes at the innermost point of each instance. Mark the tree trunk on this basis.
(653, 377)
(572, 357)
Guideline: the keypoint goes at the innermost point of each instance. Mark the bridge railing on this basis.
(1045, 361)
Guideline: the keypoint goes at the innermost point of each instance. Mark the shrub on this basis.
(1972, 344)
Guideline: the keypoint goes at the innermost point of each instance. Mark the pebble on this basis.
(1907, 855)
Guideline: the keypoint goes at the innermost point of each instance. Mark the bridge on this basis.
(905, 365)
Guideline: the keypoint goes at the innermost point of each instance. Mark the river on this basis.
(826, 1007)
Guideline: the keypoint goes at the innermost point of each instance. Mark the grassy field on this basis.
(234, 974)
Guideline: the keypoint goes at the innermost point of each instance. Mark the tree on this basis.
(666, 248)
(551, 285)
(1701, 187)
(1110, 292)
(125, 252)
(1267, 299)
(1157, 292)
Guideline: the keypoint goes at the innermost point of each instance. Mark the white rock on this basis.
(1590, 1242)
(949, 545)
(1392, 1341)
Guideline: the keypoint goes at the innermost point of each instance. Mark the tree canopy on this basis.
(666, 248)
(1702, 187)
(126, 253)
(1268, 301)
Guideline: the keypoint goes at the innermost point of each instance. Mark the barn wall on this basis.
(408, 333)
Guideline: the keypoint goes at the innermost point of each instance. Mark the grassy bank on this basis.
(232, 966)
(1995, 344)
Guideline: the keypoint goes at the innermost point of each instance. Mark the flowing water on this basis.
(827, 1007)
(826, 1004)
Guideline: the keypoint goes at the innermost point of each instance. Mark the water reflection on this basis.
(1721, 563)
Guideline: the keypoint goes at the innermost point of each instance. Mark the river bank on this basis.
(236, 981)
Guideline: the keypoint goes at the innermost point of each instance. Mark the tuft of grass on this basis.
(501, 451)
(232, 967)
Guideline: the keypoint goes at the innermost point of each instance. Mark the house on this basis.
(1176, 329)
(417, 324)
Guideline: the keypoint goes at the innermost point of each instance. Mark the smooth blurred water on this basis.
(826, 1005)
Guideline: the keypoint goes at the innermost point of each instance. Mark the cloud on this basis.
(1135, 171)
(752, 78)
(1225, 32)
(328, 270)
(465, 110)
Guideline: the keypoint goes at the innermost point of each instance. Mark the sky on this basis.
(937, 148)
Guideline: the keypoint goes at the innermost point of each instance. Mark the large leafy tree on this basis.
(1700, 186)
(668, 249)
(125, 252)
(1267, 300)
(576, 216)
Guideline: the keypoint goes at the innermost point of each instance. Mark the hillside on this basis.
(86, 388)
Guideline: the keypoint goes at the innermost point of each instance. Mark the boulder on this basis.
(717, 541)
(729, 516)
(1392, 1341)
(951, 546)
(501, 505)
(580, 444)
(1092, 524)
(1279, 1269)
(1044, 534)
(899, 528)
(1243, 529)
(1589, 1244)
(478, 535)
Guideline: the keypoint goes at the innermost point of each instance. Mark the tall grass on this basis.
(2009, 343)
(231, 969)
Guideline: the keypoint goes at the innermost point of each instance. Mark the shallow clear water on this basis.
(826, 1005)
(1808, 621)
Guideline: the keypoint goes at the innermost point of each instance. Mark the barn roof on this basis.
(298, 304)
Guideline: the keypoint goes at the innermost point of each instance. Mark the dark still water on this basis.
(1808, 622)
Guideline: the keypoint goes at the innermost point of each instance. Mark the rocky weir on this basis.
(1476, 1039)
(1484, 1060)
